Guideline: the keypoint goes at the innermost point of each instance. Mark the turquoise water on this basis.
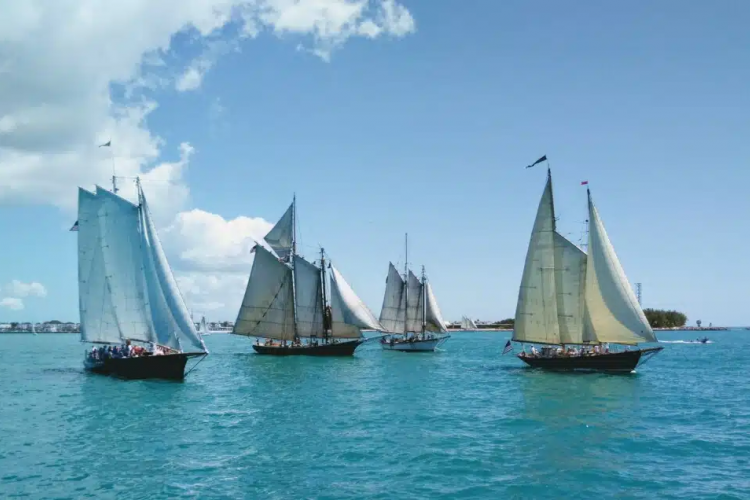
(463, 423)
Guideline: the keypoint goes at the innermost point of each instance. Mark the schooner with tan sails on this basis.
(577, 304)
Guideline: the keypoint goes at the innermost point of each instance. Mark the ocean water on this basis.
(462, 423)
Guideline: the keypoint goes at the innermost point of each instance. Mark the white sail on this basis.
(434, 319)
(119, 223)
(203, 326)
(570, 276)
(281, 237)
(349, 314)
(177, 311)
(392, 312)
(307, 285)
(468, 323)
(536, 311)
(268, 306)
(98, 322)
(612, 310)
(414, 304)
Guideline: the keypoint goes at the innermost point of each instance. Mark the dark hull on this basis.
(168, 366)
(337, 349)
(621, 362)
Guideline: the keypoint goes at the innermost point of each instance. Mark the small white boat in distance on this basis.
(468, 324)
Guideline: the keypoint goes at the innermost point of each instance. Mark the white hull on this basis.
(428, 345)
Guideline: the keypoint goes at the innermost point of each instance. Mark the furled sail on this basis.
(415, 302)
(98, 322)
(612, 310)
(570, 276)
(349, 314)
(307, 285)
(281, 237)
(184, 328)
(433, 318)
(536, 312)
(267, 309)
(392, 312)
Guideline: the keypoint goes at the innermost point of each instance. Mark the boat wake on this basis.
(685, 342)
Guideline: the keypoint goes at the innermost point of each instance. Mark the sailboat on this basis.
(286, 302)
(127, 293)
(33, 328)
(568, 298)
(468, 324)
(410, 313)
(203, 327)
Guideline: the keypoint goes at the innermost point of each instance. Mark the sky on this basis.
(384, 117)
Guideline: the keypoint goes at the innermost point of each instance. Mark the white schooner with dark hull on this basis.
(410, 314)
(575, 304)
(286, 301)
(127, 293)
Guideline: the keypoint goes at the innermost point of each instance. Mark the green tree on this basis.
(661, 318)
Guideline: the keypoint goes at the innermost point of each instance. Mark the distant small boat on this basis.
(468, 324)
(33, 328)
(127, 292)
(410, 313)
(286, 303)
(568, 298)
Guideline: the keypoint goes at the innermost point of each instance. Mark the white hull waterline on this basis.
(427, 345)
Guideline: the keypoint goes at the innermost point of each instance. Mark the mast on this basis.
(291, 260)
(424, 301)
(406, 283)
(552, 198)
(324, 302)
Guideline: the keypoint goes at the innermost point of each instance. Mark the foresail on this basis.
(415, 299)
(119, 223)
(307, 284)
(612, 310)
(536, 311)
(392, 313)
(98, 322)
(570, 276)
(349, 314)
(281, 236)
(176, 308)
(434, 318)
(267, 309)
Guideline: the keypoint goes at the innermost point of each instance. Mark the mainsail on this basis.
(126, 287)
(568, 297)
(392, 314)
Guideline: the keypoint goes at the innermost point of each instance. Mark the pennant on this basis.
(75, 227)
(106, 144)
(584, 183)
(508, 348)
(540, 160)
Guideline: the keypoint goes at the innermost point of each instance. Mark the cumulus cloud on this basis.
(20, 289)
(77, 73)
(12, 303)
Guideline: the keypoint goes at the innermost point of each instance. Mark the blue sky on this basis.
(428, 133)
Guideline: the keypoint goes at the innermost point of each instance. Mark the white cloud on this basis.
(12, 303)
(17, 288)
(77, 73)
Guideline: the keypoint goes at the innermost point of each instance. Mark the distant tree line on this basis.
(660, 318)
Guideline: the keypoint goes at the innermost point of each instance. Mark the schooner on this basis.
(468, 324)
(127, 292)
(288, 303)
(410, 313)
(570, 298)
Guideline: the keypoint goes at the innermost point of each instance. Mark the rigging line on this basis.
(196, 364)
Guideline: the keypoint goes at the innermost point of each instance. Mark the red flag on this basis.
(584, 183)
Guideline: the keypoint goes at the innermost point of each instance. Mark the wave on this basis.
(685, 342)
